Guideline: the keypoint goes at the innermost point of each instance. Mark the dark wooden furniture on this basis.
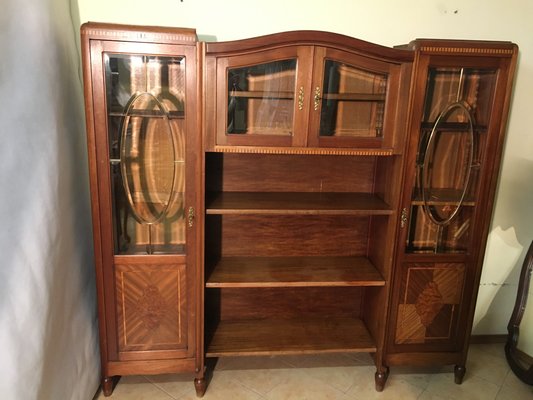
(141, 97)
(305, 146)
(520, 362)
(460, 96)
(340, 200)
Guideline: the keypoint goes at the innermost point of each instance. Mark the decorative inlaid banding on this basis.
(303, 150)
(167, 37)
(473, 50)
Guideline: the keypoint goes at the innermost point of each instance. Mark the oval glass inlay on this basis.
(147, 158)
(446, 169)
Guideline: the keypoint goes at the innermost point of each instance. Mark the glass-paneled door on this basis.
(451, 136)
(452, 144)
(146, 144)
(352, 100)
(265, 98)
(146, 109)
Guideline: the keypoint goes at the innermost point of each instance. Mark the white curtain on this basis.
(48, 327)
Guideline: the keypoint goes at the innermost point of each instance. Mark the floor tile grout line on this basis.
(351, 386)
(286, 365)
(489, 381)
(164, 391)
(326, 383)
(157, 387)
(248, 388)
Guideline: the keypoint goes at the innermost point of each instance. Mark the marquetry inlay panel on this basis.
(430, 296)
(151, 307)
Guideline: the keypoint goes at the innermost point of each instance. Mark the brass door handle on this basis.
(301, 98)
(317, 98)
(403, 218)
(191, 217)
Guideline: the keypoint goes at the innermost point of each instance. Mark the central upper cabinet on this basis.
(304, 90)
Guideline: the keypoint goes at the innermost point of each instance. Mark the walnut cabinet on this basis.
(297, 193)
(142, 107)
(460, 100)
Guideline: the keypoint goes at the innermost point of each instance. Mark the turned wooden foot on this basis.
(200, 384)
(108, 384)
(459, 372)
(381, 378)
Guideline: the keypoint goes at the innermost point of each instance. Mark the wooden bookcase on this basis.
(335, 194)
(300, 222)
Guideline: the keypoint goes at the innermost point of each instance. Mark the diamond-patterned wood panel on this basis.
(151, 307)
(430, 296)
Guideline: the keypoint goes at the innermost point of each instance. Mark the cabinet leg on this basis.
(380, 378)
(200, 384)
(108, 384)
(459, 372)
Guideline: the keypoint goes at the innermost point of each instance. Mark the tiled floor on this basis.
(338, 377)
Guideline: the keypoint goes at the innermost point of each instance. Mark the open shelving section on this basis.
(304, 156)
(290, 336)
(292, 262)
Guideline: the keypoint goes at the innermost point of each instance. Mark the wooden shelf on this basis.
(147, 114)
(453, 127)
(297, 203)
(261, 131)
(355, 97)
(289, 336)
(249, 272)
(263, 94)
(142, 249)
(372, 133)
(443, 197)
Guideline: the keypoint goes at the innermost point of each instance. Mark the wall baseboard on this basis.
(487, 339)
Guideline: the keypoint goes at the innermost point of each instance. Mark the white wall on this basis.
(48, 327)
(389, 23)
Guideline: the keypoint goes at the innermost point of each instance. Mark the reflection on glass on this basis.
(261, 98)
(145, 104)
(353, 101)
(452, 144)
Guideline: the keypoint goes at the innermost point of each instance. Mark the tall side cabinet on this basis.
(141, 96)
(297, 193)
(461, 94)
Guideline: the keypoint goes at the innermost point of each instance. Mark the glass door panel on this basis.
(352, 101)
(261, 99)
(145, 97)
(451, 148)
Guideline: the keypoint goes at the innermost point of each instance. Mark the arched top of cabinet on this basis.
(311, 38)
(137, 33)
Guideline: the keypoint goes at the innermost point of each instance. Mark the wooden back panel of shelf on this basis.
(289, 173)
